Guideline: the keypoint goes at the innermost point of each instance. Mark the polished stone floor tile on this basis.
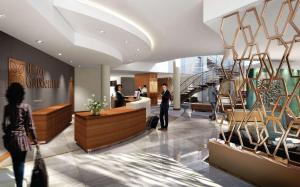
(154, 158)
(141, 170)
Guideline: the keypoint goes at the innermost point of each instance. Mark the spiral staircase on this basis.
(200, 81)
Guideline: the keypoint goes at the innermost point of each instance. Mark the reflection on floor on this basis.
(172, 158)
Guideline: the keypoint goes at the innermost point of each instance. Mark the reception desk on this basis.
(51, 121)
(111, 127)
(143, 102)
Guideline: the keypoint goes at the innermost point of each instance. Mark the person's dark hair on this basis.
(164, 84)
(15, 93)
(117, 86)
(145, 86)
(220, 80)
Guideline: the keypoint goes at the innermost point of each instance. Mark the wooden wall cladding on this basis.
(150, 80)
(71, 94)
(51, 121)
(113, 126)
(153, 97)
(142, 79)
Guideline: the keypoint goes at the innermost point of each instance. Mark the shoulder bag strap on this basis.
(38, 153)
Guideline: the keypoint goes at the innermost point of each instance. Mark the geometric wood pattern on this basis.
(275, 35)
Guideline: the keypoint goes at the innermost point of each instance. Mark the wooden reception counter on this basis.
(51, 121)
(111, 127)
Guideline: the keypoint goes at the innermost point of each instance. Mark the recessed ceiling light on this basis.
(126, 42)
(59, 54)
(79, 66)
(136, 55)
(121, 17)
(138, 50)
(2, 16)
(39, 41)
(102, 31)
(71, 61)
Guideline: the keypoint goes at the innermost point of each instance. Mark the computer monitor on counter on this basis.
(137, 94)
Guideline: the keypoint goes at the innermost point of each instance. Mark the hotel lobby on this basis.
(150, 93)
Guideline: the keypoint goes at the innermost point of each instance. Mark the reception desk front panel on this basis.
(51, 121)
(111, 127)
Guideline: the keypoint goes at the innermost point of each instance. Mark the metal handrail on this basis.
(192, 79)
(187, 83)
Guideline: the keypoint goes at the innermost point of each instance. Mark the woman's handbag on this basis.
(6, 142)
(6, 137)
(39, 177)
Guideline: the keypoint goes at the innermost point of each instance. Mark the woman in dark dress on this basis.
(17, 126)
(120, 99)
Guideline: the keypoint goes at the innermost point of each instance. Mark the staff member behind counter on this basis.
(144, 91)
(120, 99)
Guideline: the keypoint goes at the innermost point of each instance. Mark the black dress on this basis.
(164, 108)
(17, 126)
(120, 100)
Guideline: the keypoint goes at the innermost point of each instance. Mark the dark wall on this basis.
(54, 70)
(128, 84)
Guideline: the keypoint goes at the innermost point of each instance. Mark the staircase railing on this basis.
(192, 80)
(196, 80)
(193, 83)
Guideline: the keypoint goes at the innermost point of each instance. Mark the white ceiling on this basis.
(176, 26)
(133, 30)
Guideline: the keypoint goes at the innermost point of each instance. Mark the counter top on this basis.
(131, 99)
(143, 102)
(105, 113)
(48, 110)
(51, 121)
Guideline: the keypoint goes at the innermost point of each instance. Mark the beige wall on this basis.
(87, 82)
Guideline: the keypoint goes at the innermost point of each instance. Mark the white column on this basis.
(176, 84)
(105, 83)
(87, 83)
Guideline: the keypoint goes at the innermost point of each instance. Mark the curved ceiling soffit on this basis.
(95, 11)
(95, 45)
(119, 20)
(53, 16)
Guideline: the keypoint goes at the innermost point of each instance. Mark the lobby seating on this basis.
(206, 107)
(201, 107)
(239, 115)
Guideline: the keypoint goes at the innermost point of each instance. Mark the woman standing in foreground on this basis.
(17, 126)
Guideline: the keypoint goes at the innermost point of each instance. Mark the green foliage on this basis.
(270, 92)
(95, 106)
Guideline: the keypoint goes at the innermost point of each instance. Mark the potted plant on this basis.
(94, 106)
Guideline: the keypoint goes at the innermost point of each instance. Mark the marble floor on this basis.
(155, 158)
